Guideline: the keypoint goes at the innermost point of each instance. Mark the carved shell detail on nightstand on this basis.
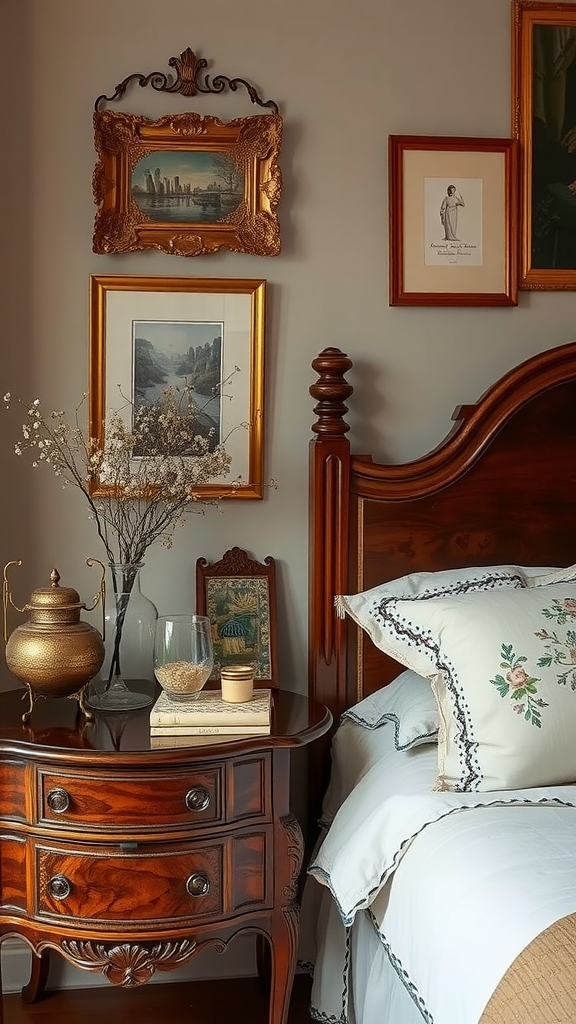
(130, 965)
(295, 851)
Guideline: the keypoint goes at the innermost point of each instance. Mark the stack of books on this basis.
(209, 715)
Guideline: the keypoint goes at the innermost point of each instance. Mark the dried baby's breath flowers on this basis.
(142, 478)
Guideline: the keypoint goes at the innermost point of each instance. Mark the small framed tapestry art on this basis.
(238, 594)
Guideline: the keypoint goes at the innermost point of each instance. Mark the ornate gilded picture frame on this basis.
(150, 333)
(544, 122)
(187, 184)
(238, 594)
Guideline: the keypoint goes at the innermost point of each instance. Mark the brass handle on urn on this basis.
(58, 800)
(59, 887)
(198, 884)
(197, 798)
(7, 597)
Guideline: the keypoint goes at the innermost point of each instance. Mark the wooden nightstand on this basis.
(129, 860)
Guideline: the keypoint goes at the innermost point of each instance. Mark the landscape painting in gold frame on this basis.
(544, 122)
(187, 184)
(453, 221)
(149, 333)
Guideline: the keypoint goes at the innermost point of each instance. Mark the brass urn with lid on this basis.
(54, 653)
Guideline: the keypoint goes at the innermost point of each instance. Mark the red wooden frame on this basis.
(445, 156)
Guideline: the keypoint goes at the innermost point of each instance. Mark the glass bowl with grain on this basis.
(183, 655)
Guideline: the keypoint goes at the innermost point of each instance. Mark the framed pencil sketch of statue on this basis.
(544, 122)
(187, 184)
(238, 594)
(453, 221)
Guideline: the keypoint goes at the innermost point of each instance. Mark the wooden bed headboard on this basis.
(501, 488)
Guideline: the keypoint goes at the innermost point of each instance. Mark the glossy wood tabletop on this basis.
(58, 727)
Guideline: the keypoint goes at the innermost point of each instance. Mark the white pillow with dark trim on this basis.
(408, 704)
(367, 609)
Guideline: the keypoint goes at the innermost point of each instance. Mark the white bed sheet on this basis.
(500, 876)
(357, 968)
(353, 979)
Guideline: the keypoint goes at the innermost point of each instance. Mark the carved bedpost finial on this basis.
(331, 390)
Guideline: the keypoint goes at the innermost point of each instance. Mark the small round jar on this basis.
(237, 682)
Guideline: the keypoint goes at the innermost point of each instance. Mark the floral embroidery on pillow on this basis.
(560, 651)
(519, 686)
(562, 610)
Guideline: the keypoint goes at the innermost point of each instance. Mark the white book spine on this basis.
(209, 730)
(171, 721)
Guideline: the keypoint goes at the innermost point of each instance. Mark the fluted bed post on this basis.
(328, 555)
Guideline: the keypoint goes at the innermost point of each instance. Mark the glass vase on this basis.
(130, 624)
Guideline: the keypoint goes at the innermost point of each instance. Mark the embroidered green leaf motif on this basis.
(562, 610)
(519, 686)
(559, 651)
(501, 685)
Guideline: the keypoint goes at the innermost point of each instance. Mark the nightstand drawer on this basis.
(108, 803)
(137, 884)
(113, 888)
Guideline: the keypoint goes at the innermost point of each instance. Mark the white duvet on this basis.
(456, 884)
(470, 893)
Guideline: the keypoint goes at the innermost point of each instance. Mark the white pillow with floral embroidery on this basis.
(503, 669)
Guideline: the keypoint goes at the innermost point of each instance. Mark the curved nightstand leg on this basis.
(263, 962)
(283, 952)
(38, 977)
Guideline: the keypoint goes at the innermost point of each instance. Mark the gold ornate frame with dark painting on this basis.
(174, 318)
(238, 594)
(544, 122)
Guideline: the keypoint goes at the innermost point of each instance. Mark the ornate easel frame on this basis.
(217, 583)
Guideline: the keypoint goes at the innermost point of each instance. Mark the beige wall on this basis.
(346, 76)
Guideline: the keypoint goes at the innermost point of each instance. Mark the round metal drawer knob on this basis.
(59, 887)
(198, 884)
(197, 798)
(58, 800)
